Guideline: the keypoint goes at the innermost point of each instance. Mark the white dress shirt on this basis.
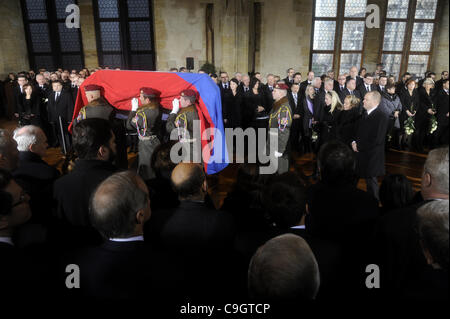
(6, 240)
(124, 240)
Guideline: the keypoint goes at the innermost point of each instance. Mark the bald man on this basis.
(199, 235)
(368, 144)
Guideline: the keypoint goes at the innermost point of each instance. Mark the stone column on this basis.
(88, 33)
(13, 51)
(232, 20)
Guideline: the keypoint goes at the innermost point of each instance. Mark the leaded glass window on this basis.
(51, 44)
(124, 34)
(408, 35)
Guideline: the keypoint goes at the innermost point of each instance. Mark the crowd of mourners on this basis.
(281, 237)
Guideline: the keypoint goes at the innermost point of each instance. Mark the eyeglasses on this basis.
(22, 199)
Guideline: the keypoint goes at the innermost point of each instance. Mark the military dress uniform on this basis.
(100, 108)
(183, 122)
(146, 121)
(280, 119)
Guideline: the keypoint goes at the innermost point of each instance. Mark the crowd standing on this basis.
(154, 230)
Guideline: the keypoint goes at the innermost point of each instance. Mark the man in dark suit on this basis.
(60, 110)
(18, 93)
(341, 88)
(354, 75)
(267, 90)
(330, 74)
(308, 81)
(289, 79)
(439, 84)
(339, 212)
(397, 242)
(441, 102)
(400, 87)
(369, 142)
(123, 267)
(224, 84)
(198, 235)
(367, 86)
(295, 103)
(73, 86)
(432, 226)
(14, 212)
(34, 175)
(94, 142)
(381, 86)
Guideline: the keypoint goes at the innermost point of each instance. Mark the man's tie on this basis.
(342, 88)
(56, 95)
(351, 92)
(246, 89)
(271, 88)
(368, 88)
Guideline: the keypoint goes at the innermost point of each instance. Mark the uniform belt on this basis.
(147, 138)
(188, 140)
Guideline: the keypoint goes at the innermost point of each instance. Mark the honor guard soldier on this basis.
(99, 107)
(280, 119)
(182, 118)
(146, 120)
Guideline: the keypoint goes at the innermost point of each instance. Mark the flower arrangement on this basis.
(409, 123)
(433, 122)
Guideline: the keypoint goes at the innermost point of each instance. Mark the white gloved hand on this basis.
(175, 106)
(278, 154)
(134, 104)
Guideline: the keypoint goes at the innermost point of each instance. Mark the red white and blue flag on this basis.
(120, 86)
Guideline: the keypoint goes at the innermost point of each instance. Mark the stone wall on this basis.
(283, 37)
(180, 32)
(439, 60)
(13, 48)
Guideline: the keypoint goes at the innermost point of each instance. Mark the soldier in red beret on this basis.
(146, 120)
(280, 121)
(182, 118)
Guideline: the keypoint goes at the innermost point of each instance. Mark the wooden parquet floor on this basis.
(397, 162)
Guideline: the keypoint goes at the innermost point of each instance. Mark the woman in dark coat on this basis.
(28, 107)
(346, 120)
(328, 118)
(306, 116)
(232, 105)
(422, 118)
(410, 102)
(393, 107)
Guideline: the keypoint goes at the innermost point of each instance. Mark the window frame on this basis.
(55, 44)
(410, 20)
(337, 51)
(124, 21)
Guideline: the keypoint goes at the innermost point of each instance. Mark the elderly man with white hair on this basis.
(398, 240)
(33, 174)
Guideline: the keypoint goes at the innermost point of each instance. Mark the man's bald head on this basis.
(120, 206)
(188, 180)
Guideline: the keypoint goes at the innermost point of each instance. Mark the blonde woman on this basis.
(328, 117)
(346, 120)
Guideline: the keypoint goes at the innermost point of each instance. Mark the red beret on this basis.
(92, 87)
(190, 93)
(281, 86)
(150, 92)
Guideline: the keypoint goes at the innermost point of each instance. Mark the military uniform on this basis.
(184, 123)
(280, 118)
(146, 121)
(100, 108)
